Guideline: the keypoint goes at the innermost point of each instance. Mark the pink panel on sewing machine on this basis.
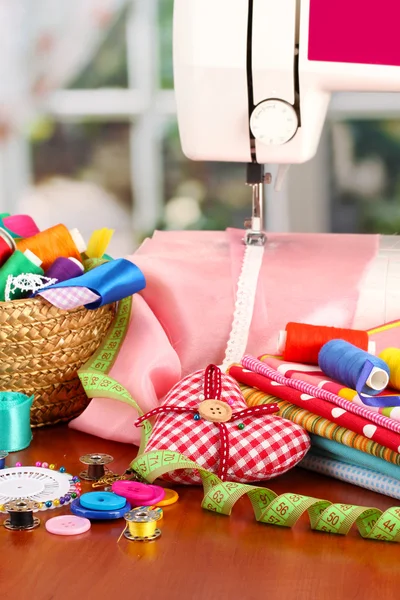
(355, 31)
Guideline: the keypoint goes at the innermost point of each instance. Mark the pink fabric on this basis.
(181, 321)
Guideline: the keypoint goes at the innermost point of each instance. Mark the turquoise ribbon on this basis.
(112, 281)
(15, 426)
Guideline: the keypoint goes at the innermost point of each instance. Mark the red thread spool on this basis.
(52, 243)
(7, 246)
(303, 342)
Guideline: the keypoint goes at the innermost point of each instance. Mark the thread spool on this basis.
(20, 226)
(345, 363)
(19, 263)
(7, 246)
(302, 343)
(63, 269)
(141, 525)
(53, 243)
(391, 356)
(21, 516)
(96, 464)
(3, 456)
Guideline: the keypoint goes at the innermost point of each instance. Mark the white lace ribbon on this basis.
(26, 282)
(244, 306)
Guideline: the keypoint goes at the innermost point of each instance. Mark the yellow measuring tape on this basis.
(219, 496)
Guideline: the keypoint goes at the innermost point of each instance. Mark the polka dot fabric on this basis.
(265, 447)
(316, 406)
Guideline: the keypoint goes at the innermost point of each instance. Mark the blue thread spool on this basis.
(345, 363)
(3, 456)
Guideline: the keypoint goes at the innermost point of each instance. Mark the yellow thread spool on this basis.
(391, 356)
(141, 525)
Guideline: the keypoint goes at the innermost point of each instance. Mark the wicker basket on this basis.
(41, 350)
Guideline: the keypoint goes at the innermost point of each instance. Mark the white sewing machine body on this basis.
(254, 78)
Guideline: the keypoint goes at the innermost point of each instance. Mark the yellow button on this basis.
(215, 411)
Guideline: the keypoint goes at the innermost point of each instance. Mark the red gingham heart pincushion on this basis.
(205, 417)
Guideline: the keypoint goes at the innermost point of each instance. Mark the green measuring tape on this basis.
(221, 496)
(285, 510)
(94, 374)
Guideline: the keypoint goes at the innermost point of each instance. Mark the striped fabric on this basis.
(320, 426)
(317, 377)
(334, 451)
(249, 362)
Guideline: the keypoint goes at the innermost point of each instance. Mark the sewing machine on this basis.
(254, 78)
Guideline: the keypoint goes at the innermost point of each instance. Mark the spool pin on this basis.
(21, 516)
(96, 464)
(142, 525)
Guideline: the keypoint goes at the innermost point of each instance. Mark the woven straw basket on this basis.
(41, 350)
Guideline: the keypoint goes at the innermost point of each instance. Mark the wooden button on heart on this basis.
(215, 411)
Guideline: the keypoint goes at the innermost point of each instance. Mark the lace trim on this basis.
(244, 306)
(26, 282)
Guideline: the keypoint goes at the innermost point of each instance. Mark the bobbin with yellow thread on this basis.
(141, 525)
(391, 356)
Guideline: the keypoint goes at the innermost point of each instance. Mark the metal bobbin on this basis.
(140, 516)
(96, 463)
(21, 515)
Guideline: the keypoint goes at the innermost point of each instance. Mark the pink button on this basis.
(138, 494)
(67, 525)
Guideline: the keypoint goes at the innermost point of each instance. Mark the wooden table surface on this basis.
(199, 555)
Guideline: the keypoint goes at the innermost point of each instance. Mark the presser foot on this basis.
(254, 235)
(255, 238)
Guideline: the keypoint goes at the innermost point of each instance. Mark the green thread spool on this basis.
(19, 263)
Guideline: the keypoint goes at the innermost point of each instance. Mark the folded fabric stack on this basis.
(350, 441)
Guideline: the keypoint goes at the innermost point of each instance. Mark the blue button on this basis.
(100, 515)
(102, 501)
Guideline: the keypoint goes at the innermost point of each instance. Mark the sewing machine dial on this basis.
(274, 122)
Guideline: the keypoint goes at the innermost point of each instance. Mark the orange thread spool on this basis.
(50, 244)
(303, 342)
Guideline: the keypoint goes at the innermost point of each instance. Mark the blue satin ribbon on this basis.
(371, 399)
(15, 428)
(112, 281)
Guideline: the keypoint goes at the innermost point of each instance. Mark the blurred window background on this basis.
(88, 135)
